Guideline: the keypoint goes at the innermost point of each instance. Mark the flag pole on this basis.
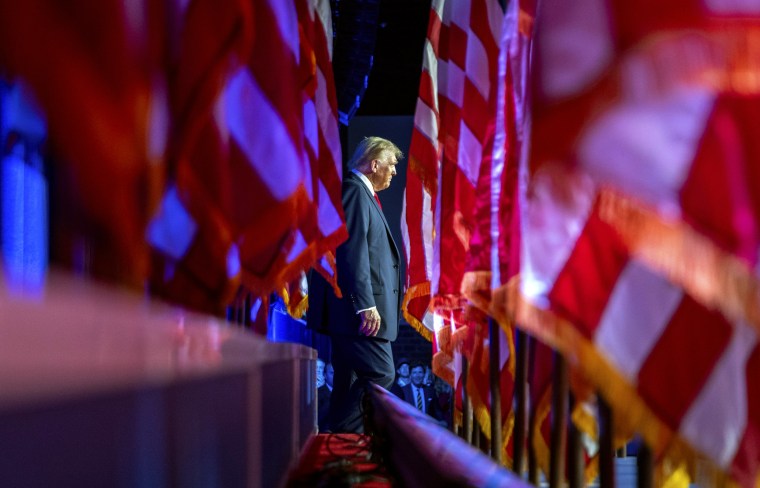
(606, 448)
(533, 477)
(575, 467)
(645, 467)
(559, 419)
(521, 374)
(495, 375)
(466, 406)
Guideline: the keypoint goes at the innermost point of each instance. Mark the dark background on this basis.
(395, 75)
(377, 55)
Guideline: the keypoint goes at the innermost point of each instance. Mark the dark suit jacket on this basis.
(368, 270)
(432, 407)
(396, 390)
(323, 406)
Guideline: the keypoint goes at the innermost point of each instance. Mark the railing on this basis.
(102, 388)
(421, 453)
(566, 459)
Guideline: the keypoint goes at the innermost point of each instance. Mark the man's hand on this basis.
(370, 322)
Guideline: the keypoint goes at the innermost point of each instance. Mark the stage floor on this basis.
(339, 460)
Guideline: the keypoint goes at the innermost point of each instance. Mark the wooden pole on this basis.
(576, 463)
(532, 459)
(247, 303)
(466, 405)
(485, 444)
(645, 467)
(521, 401)
(533, 477)
(559, 419)
(494, 346)
(606, 447)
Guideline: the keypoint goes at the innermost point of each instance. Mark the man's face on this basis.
(403, 370)
(384, 170)
(320, 373)
(418, 374)
(329, 373)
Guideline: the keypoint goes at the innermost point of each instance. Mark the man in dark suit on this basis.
(422, 396)
(365, 320)
(402, 377)
(324, 390)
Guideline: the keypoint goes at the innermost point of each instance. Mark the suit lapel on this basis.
(371, 196)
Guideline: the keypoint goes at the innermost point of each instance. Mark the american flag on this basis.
(96, 71)
(641, 220)
(455, 111)
(323, 140)
(201, 138)
(451, 150)
(258, 180)
(493, 256)
(191, 237)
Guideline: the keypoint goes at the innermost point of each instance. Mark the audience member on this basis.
(329, 375)
(428, 381)
(402, 377)
(320, 373)
(324, 390)
(421, 396)
(445, 398)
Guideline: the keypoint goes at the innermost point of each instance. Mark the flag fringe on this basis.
(721, 60)
(482, 411)
(427, 175)
(331, 276)
(440, 367)
(448, 302)
(542, 410)
(476, 286)
(443, 340)
(715, 278)
(543, 455)
(502, 300)
(482, 416)
(525, 23)
(287, 272)
(295, 310)
(586, 422)
(459, 337)
(632, 413)
(412, 293)
(674, 477)
(448, 340)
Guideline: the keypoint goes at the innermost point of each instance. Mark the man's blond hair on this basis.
(371, 148)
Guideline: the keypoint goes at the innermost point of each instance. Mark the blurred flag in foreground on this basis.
(641, 217)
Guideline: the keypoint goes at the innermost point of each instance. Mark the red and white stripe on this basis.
(96, 73)
(260, 179)
(195, 257)
(655, 110)
(324, 145)
(455, 112)
(467, 73)
(417, 219)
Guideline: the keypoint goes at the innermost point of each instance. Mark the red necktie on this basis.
(377, 199)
